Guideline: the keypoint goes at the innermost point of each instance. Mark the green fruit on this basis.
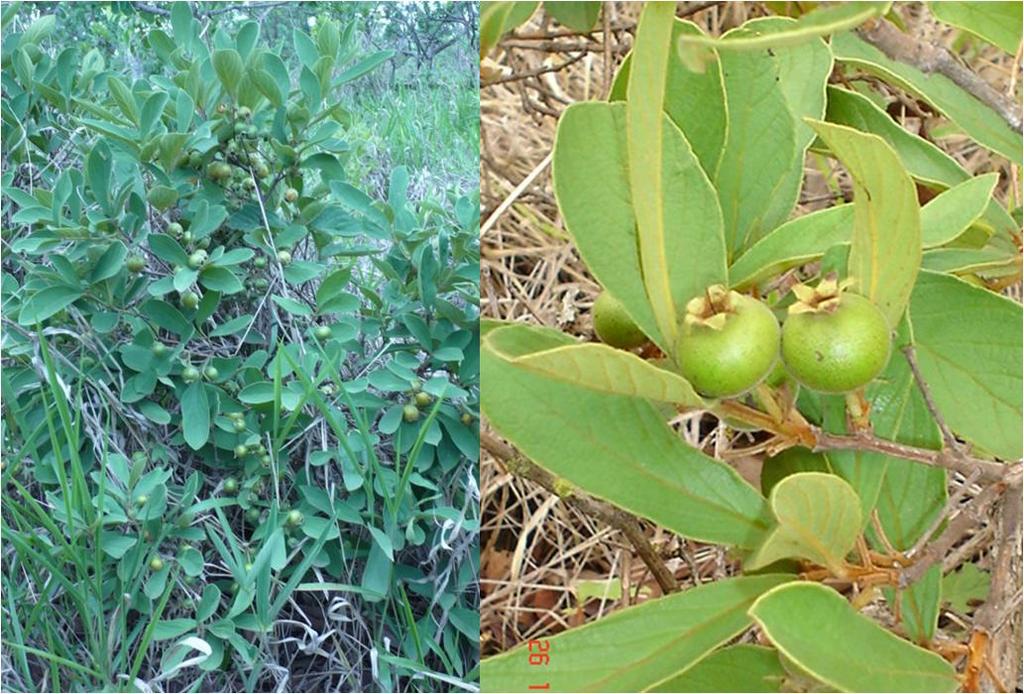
(195, 159)
(197, 259)
(174, 229)
(156, 564)
(284, 257)
(253, 516)
(410, 413)
(423, 399)
(835, 344)
(265, 460)
(230, 485)
(135, 264)
(262, 171)
(291, 195)
(141, 500)
(259, 261)
(219, 171)
(189, 300)
(322, 332)
(241, 450)
(244, 112)
(727, 343)
(187, 237)
(295, 518)
(240, 425)
(467, 418)
(190, 374)
(211, 373)
(159, 349)
(613, 325)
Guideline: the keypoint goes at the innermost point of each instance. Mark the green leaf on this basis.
(679, 223)
(965, 338)
(220, 279)
(377, 574)
(124, 98)
(110, 263)
(98, 166)
(116, 545)
(820, 21)
(581, 16)
(817, 629)
(229, 67)
(38, 30)
(966, 260)
(167, 317)
(694, 101)
(964, 588)
(172, 628)
(919, 606)
(296, 308)
(496, 18)
(798, 241)
(162, 197)
(950, 213)
(818, 519)
(996, 22)
(364, 66)
(739, 668)
(583, 436)
(760, 151)
(975, 118)
(592, 186)
(885, 250)
(605, 369)
(266, 85)
(634, 649)
(47, 302)
(167, 249)
(195, 416)
(922, 159)
(263, 392)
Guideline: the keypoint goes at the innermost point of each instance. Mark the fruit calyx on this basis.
(825, 298)
(711, 309)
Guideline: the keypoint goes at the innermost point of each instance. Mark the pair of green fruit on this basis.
(832, 341)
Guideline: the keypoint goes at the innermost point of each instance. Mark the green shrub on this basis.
(210, 334)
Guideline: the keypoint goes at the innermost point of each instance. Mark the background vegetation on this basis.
(239, 347)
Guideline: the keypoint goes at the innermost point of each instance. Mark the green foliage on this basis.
(690, 182)
(212, 333)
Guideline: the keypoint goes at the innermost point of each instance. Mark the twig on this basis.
(989, 471)
(948, 510)
(970, 515)
(616, 518)
(932, 59)
(947, 435)
(533, 73)
(698, 7)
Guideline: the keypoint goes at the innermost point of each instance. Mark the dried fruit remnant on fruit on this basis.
(834, 341)
(727, 343)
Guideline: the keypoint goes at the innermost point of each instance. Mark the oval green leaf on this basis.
(817, 629)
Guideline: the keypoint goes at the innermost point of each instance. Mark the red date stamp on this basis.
(539, 657)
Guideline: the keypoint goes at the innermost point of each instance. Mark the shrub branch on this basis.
(931, 59)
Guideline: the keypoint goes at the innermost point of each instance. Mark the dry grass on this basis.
(536, 551)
